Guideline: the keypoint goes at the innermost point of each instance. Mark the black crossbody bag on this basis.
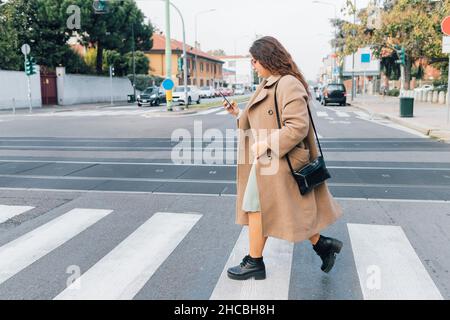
(315, 172)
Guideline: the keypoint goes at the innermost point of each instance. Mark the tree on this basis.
(113, 31)
(413, 24)
(123, 64)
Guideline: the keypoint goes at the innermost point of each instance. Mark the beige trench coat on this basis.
(285, 213)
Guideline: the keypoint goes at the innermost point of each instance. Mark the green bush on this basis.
(393, 92)
(144, 81)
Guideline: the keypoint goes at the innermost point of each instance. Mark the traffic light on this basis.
(101, 6)
(401, 55)
(30, 66)
(180, 64)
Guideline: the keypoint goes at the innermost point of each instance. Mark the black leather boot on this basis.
(327, 248)
(249, 267)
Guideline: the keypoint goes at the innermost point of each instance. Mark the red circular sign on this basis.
(445, 26)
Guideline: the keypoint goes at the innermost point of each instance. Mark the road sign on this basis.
(445, 26)
(25, 49)
(365, 58)
(445, 44)
(168, 84)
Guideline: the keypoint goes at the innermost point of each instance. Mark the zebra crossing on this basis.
(329, 113)
(386, 264)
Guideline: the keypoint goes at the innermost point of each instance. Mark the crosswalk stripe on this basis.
(322, 114)
(223, 112)
(126, 269)
(7, 212)
(21, 252)
(277, 258)
(342, 114)
(209, 111)
(361, 114)
(388, 267)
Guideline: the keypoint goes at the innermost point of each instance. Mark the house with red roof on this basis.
(208, 73)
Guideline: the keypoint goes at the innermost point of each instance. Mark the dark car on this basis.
(154, 96)
(334, 93)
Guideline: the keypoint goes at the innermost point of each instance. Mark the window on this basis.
(215, 69)
(207, 67)
(201, 67)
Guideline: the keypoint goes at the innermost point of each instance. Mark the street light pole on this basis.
(134, 63)
(335, 36)
(185, 70)
(353, 54)
(168, 52)
(196, 56)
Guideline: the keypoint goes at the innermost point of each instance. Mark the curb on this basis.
(440, 135)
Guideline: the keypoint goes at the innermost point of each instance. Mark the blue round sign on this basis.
(168, 84)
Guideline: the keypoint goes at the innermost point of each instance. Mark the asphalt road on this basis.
(116, 165)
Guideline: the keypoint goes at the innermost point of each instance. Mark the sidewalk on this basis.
(429, 119)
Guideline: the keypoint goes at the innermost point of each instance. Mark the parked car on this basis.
(224, 91)
(207, 92)
(154, 96)
(193, 94)
(228, 91)
(425, 87)
(334, 93)
(442, 87)
(239, 89)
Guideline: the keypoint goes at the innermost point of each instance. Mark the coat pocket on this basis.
(299, 157)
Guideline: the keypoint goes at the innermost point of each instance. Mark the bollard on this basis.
(14, 105)
(441, 99)
(429, 96)
(435, 97)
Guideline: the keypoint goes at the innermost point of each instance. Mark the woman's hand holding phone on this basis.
(231, 107)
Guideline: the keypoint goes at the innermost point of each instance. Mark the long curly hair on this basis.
(274, 57)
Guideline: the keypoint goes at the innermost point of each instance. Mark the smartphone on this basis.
(220, 92)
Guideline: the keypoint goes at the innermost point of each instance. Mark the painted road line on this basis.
(7, 212)
(209, 111)
(388, 266)
(23, 251)
(126, 269)
(221, 113)
(322, 114)
(342, 114)
(277, 258)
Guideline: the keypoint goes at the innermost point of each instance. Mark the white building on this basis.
(241, 67)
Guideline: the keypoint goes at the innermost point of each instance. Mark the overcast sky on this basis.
(301, 26)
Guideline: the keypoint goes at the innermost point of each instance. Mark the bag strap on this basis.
(279, 124)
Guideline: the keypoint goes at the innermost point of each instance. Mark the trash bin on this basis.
(131, 98)
(406, 106)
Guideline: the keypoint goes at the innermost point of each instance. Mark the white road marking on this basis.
(322, 114)
(7, 212)
(23, 251)
(209, 111)
(388, 266)
(342, 114)
(221, 113)
(278, 260)
(126, 269)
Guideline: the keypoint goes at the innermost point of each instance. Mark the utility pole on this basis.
(197, 82)
(111, 73)
(353, 54)
(134, 62)
(168, 54)
(185, 69)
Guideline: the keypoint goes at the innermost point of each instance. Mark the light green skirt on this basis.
(250, 203)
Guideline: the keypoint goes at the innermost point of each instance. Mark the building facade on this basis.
(240, 70)
(209, 73)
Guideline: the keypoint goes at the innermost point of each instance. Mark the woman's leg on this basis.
(257, 240)
(314, 238)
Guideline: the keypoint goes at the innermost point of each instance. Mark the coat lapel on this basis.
(264, 90)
